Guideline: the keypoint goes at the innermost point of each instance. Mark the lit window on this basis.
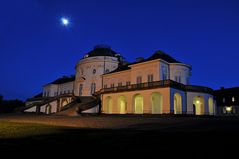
(233, 99)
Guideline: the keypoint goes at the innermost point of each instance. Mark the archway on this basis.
(48, 109)
(109, 105)
(156, 103)
(138, 104)
(198, 101)
(64, 103)
(210, 106)
(122, 106)
(177, 103)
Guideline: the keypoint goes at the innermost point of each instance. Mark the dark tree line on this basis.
(9, 106)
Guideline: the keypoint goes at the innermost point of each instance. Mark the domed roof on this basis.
(163, 56)
(101, 50)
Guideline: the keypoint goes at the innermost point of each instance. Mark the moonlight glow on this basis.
(64, 21)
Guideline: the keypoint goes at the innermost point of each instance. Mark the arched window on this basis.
(93, 88)
(138, 104)
(199, 104)
(177, 103)
(156, 103)
(122, 105)
(210, 106)
(109, 105)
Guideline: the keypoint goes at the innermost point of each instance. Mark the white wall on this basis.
(66, 87)
(32, 109)
(50, 90)
(84, 69)
(92, 110)
(181, 70)
(190, 97)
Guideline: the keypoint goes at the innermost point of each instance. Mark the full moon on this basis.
(64, 21)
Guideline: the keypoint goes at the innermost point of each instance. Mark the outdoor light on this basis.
(198, 102)
(228, 109)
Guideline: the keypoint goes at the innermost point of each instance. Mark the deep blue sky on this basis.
(36, 49)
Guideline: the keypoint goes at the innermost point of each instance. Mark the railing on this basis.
(158, 84)
(46, 100)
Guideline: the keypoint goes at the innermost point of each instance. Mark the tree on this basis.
(9, 106)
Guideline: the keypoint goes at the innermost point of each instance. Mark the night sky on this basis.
(35, 48)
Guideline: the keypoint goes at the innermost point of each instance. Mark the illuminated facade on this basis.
(156, 85)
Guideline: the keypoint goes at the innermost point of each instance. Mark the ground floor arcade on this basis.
(158, 101)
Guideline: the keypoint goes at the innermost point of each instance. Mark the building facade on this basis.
(227, 100)
(156, 85)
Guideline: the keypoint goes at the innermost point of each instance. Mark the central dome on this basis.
(101, 50)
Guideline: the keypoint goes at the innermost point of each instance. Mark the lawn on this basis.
(10, 130)
(143, 136)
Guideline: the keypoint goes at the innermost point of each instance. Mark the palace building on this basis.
(105, 83)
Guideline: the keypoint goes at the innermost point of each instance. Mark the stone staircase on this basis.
(79, 105)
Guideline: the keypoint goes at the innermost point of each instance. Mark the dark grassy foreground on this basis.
(209, 137)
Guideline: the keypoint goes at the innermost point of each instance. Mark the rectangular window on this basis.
(127, 83)
(105, 86)
(112, 85)
(223, 100)
(164, 76)
(179, 79)
(93, 88)
(233, 99)
(150, 78)
(48, 94)
(69, 91)
(80, 90)
(120, 84)
(188, 81)
(139, 80)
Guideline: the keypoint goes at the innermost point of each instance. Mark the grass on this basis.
(11, 130)
(207, 137)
